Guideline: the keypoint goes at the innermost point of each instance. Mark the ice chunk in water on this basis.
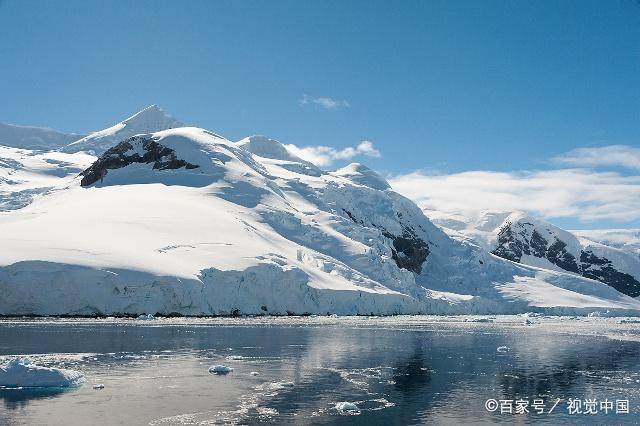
(280, 385)
(146, 317)
(220, 369)
(22, 373)
(347, 407)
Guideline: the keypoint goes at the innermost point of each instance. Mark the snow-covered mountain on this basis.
(34, 138)
(625, 239)
(150, 119)
(521, 238)
(185, 221)
(27, 174)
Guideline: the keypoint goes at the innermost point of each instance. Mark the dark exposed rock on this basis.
(409, 251)
(512, 245)
(509, 247)
(122, 155)
(538, 244)
(601, 269)
(352, 217)
(558, 255)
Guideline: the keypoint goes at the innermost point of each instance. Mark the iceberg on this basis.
(22, 373)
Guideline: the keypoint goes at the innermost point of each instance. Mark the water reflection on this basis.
(564, 367)
(436, 373)
(19, 398)
(411, 375)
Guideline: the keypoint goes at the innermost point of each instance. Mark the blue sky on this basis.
(438, 87)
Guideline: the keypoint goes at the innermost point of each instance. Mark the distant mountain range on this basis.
(34, 138)
(150, 216)
(521, 238)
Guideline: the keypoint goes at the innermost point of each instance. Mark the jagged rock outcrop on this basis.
(601, 269)
(409, 251)
(517, 238)
(138, 149)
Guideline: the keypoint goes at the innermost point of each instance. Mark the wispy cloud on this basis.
(585, 194)
(612, 155)
(324, 102)
(323, 156)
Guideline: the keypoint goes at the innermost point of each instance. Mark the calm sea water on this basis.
(401, 370)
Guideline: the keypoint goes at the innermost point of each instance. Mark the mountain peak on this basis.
(148, 120)
(363, 175)
(265, 147)
(152, 111)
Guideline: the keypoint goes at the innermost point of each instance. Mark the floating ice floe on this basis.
(22, 373)
(347, 408)
(629, 321)
(480, 320)
(599, 314)
(281, 385)
(235, 357)
(146, 317)
(503, 349)
(220, 369)
(267, 412)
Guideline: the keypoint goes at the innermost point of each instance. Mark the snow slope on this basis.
(625, 239)
(27, 174)
(150, 119)
(185, 221)
(479, 228)
(521, 238)
(35, 138)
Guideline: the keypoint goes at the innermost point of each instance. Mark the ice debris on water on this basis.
(146, 317)
(346, 407)
(267, 412)
(220, 369)
(22, 373)
(235, 357)
(503, 349)
(281, 385)
(599, 314)
(480, 320)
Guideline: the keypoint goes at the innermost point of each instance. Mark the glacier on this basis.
(178, 220)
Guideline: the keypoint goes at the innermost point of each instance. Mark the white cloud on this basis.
(323, 156)
(612, 155)
(324, 102)
(587, 195)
